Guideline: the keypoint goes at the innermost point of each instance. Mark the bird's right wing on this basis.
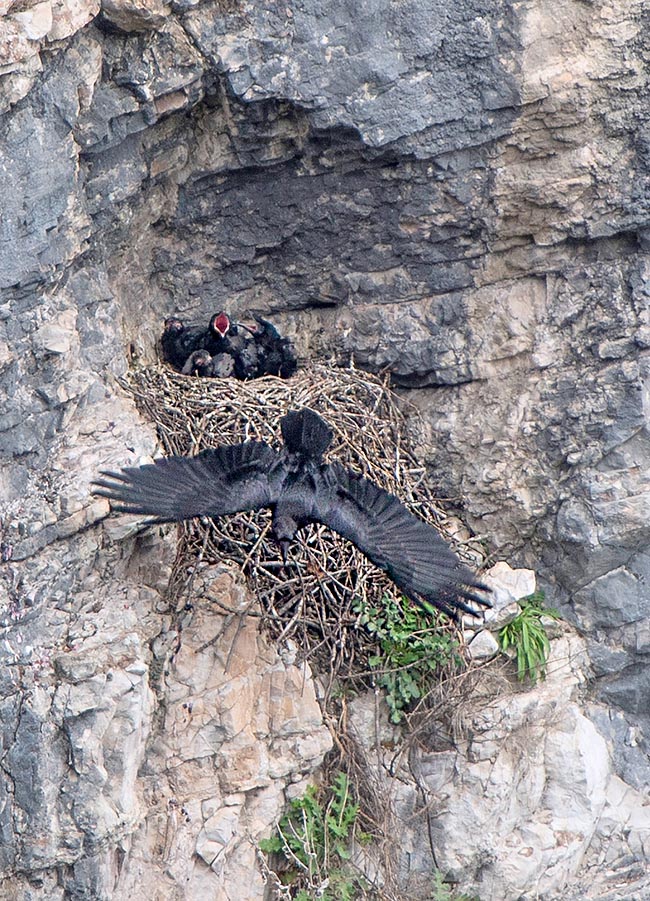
(217, 481)
(411, 551)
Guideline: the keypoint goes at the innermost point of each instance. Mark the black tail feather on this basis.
(305, 432)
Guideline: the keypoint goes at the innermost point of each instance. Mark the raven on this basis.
(223, 365)
(199, 362)
(227, 336)
(178, 341)
(277, 355)
(300, 489)
(215, 335)
(185, 348)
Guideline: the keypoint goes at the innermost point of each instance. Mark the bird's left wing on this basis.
(410, 550)
(217, 481)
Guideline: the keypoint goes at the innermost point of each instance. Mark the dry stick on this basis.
(304, 630)
(289, 626)
(258, 542)
(230, 610)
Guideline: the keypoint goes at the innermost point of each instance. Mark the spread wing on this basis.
(410, 550)
(217, 481)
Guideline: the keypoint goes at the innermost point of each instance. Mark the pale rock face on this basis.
(509, 584)
(15, 47)
(36, 21)
(58, 336)
(483, 646)
(135, 15)
(507, 587)
(524, 802)
(518, 804)
(455, 192)
(230, 741)
(69, 16)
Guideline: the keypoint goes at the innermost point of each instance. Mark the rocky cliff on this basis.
(455, 192)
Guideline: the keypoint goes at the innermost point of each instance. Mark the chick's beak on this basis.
(284, 550)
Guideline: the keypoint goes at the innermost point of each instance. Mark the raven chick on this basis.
(277, 355)
(228, 337)
(199, 362)
(300, 489)
(178, 341)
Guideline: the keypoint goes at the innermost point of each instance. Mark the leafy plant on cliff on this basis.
(442, 892)
(314, 840)
(413, 646)
(527, 636)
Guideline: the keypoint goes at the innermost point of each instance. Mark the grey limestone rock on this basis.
(407, 73)
(457, 193)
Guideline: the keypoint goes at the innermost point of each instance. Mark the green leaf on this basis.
(527, 635)
(271, 845)
(411, 647)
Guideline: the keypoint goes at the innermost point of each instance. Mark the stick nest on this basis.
(313, 600)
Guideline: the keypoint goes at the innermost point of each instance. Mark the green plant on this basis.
(442, 892)
(413, 647)
(315, 836)
(527, 635)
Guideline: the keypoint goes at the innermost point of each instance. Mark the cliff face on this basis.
(458, 192)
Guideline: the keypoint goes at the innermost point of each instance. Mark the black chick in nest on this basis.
(179, 341)
(199, 362)
(231, 338)
(221, 366)
(276, 355)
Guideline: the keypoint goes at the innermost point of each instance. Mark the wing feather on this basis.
(410, 550)
(217, 481)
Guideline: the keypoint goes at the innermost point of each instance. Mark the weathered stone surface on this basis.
(69, 16)
(456, 192)
(434, 64)
(135, 15)
(508, 584)
(57, 336)
(498, 827)
(16, 45)
(615, 871)
(228, 746)
(92, 697)
(483, 646)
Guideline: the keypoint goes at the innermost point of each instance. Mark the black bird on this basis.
(220, 366)
(218, 328)
(229, 337)
(178, 341)
(277, 355)
(246, 361)
(223, 365)
(199, 362)
(301, 489)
